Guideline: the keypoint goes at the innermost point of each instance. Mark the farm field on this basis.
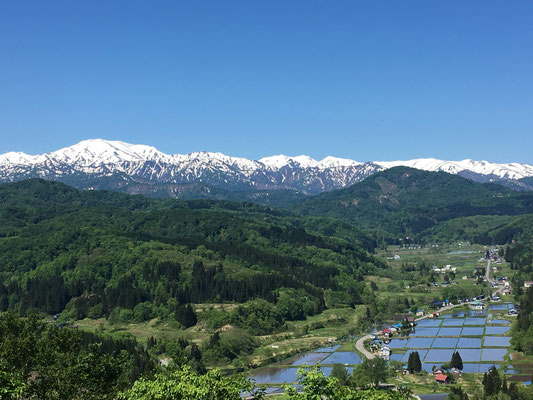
(481, 337)
(434, 339)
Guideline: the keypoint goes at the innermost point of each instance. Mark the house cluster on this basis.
(381, 339)
(444, 270)
(381, 347)
(493, 255)
(502, 281)
(440, 303)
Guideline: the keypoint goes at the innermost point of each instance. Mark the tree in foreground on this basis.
(316, 386)
(45, 362)
(456, 361)
(314, 383)
(185, 384)
(10, 386)
(370, 372)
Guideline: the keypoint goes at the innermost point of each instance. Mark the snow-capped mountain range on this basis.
(98, 164)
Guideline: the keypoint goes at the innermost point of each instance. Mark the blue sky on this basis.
(367, 80)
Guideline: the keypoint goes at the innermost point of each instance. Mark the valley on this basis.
(266, 200)
(467, 259)
(245, 288)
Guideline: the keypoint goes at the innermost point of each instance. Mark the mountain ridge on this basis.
(85, 164)
(407, 201)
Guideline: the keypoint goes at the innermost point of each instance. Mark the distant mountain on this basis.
(403, 200)
(119, 166)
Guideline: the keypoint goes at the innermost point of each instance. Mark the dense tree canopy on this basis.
(185, 384)
(43, 361)
(94, 254)
(403, 200)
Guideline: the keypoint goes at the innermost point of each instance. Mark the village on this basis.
(470, 330)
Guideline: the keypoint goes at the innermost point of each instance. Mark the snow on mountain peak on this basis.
(281, 160)
(100, 151)
(14, 158)
(505, 171)
(100, 157)
(334, 162)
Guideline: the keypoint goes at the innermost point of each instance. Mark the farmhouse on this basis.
(408, 317)
(477, 305)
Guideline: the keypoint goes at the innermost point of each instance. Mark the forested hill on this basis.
(407, 201)
(94, 252)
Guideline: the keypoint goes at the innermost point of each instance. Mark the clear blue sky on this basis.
(367, 80)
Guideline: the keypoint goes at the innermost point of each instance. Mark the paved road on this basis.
(360, 343)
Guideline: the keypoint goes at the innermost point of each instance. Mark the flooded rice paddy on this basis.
(477, 337)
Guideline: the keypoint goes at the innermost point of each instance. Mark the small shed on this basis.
(442, 378)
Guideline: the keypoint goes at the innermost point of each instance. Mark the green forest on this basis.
(407, 201)
(69, 255)
(95, 254)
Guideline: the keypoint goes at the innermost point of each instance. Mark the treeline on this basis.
(520, 256)
(100, 254)
(481, 229)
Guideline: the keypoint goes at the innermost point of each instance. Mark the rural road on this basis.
(359, 345)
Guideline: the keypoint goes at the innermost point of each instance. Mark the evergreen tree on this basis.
(513, 391)
(150, 343)
(417, 364)
(185, 315)
(410, 363)
(456, 393)
(457, 361)
(492, 382)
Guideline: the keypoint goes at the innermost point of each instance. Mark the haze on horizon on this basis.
(363, 81)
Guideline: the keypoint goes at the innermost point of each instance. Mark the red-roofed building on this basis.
(442, 378)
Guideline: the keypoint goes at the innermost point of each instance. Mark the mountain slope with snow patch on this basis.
(89, 163)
